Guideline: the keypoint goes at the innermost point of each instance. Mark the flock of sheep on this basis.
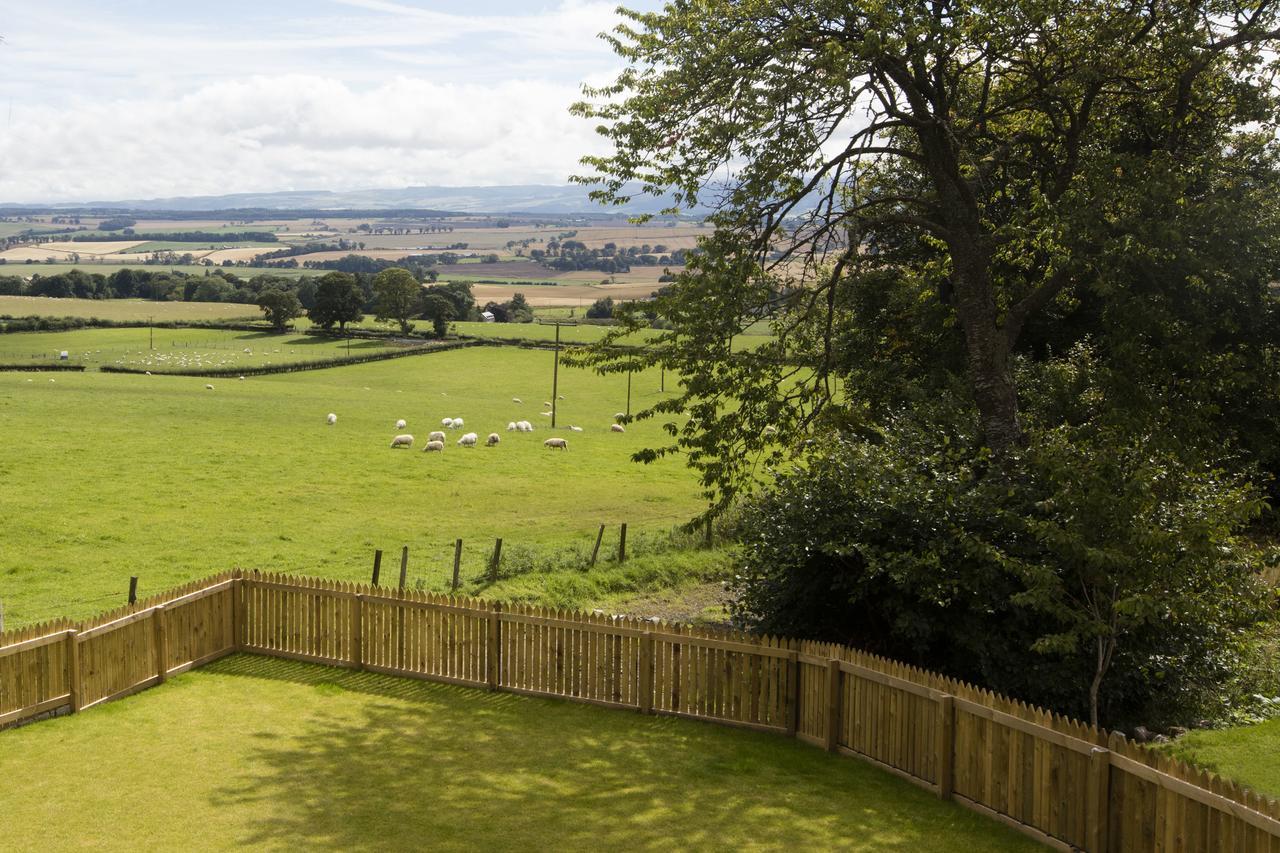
(436, 440)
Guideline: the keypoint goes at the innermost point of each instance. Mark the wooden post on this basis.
(709, 533)
(238, 592)
(161, 643)
(377, 566)
(74, 687)
(133, 590)
(357, 632)
(793, 693)
(493, 563)
(404, 566)
(596, 550)
(622, 544)
(1, 617)
(646, 673)
(833, 705)
(493, 657)
(457, 562)
(1098, 801)
(945, 745)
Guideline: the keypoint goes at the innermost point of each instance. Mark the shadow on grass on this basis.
(412, 765)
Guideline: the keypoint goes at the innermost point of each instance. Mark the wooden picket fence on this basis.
(1066, 784)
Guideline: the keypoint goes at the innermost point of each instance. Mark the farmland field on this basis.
(266, 754)
(123, 309)
(112, 475)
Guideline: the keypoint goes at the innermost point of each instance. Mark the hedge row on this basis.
(315, 364)
(43, 367)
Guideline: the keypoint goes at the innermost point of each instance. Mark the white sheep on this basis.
(545, 414)
(511, 427)
(332, 419)
(556, 444)
(400, 424)
(493, 439)
(447, 423)
(208, 387)
(436, 436)
(516, 400)
(525, 426)
(468, 440)
(576, 428)
(616, 428)
(405, 440)
(241, 378)
(457, 423)
(770, 430)
(436, 446)
(546, 404)
(617, 416)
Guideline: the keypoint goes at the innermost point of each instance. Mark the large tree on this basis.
(399, 297)
(280, 306)
(984, 148)
(339, 299)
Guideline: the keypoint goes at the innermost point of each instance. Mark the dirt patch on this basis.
(702, 604)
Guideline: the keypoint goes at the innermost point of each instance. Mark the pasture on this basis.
(124, 310)
(277, 755)
(176, 349)
(1248, 754)
(112, 475)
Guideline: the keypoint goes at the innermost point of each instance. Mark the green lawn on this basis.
(1248, 754)
(175, 348)
(274, 755)
(107, 476)
(123, 309)
(541, 332)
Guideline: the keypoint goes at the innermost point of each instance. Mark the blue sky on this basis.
(144, 99)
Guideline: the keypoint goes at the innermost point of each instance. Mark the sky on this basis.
(139, 99)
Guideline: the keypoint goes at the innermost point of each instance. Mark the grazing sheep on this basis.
(617, 416)
(545, 414)
(447, 423)
(405, 440)
(208, 387)
(524, 426)
(616, 428)
(436, 446)
(400, 424)
(556, 444)
(493, 439)
(511, 427)
(241, 378)
(148, 373)
(332, 419)
(576, 428)
(770, 430)
(468, 440)
(516, 400)
(457, 423)
(436, 436)
(546, 404)
(560, 397)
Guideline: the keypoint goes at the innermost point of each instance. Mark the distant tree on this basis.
(439, 311)
(398, 297)
(339, 299)
(519, 310)
(499, 312)
(280, 306)
(601, 309)
(459, 295)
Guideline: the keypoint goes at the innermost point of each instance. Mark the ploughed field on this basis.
(108, 475)
(176, 349)
(260, 753)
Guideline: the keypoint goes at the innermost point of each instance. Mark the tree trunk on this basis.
(987, 349)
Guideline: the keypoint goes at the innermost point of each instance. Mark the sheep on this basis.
(516, 400)
(457, 423)
(616, 428)
(770, 430)
(436, 436)
(468, 440)
(434, 446)
(546, 404)
(545, 414)
(400, 424)
(576, 428)
(524, 426)
(617, 416)
(332, 419)
(208, 387)
(493, 439)
(511, 427)
(447, 423)
(560, 397)
(405, 441)
(556, 444)
(241, 378)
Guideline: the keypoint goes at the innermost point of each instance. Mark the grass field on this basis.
(108, 476)
(124, 309)
(1247, 754)
(275, 755)
(107, 268)
(175, 348)
(197, 248)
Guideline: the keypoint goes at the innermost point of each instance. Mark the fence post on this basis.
(161, 643)
(793, 693)
(833, 705)
(133, 590)
(495, 645)
(457, 562)
(596, 550)
(622, 544)
(646, 673)
(73, 670)
(709, 533)
(493, 563)
(377, 565)
(404, 566)
(357, 632)
(238, 593)
(946, 745)
(1098, 801)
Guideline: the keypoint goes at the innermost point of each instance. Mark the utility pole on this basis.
(628, 393)
(555, 370)
(151, 327)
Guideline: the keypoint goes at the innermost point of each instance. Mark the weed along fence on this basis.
(1064, 783)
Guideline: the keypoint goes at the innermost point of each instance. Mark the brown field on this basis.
(220, 255)
(105, 247)
(31, 253)
(550, 296)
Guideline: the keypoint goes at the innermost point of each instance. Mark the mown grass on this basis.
(121, 310)
(107, 476)
(251, 752)
(176, 349)
(1248, 754)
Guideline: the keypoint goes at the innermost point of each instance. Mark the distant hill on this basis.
(531, 198)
